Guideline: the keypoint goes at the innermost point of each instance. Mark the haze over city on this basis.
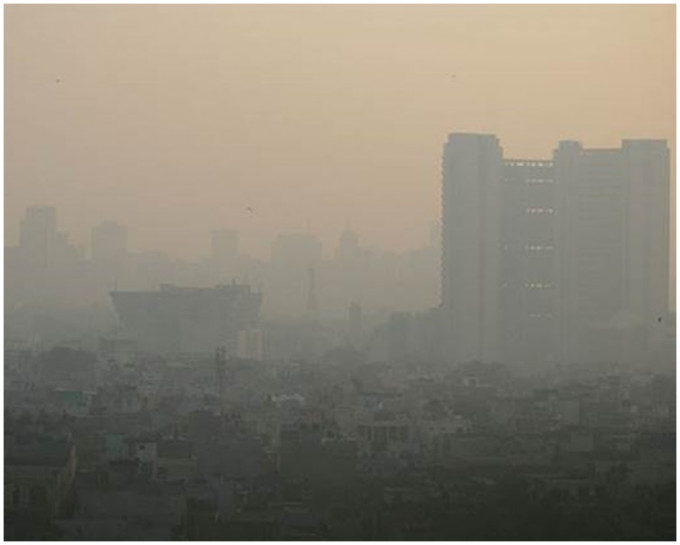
(173, 120)
(339, 273)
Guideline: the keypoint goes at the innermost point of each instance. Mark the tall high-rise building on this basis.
(471, 170)
(528, 260)
(348, 247)
(353, 280)
(45, 269)
(38, 230)
(613, 235)
(554, 260)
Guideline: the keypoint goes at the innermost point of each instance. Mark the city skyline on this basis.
(340, 273)
(286, 123)
(108, 237)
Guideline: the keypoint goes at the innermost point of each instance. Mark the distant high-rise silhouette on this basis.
(38, 231)
(553, 260)
(472, 169)
(613, 234)
(348, 247)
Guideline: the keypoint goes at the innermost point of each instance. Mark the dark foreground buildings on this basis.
(557, 260)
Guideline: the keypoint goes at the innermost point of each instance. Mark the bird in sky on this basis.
(249, 209)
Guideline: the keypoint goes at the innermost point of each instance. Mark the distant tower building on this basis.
(471, 172)
(529, 284)
(38, 231)
(44, 267)
(109, 242)
(353, 279)
(348, 247)
(554, 260)
(614, 243)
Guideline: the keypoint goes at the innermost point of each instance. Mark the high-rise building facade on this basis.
(471, 170)
(44, 270)
(38, 231)
(613, 236)
(529, 305)
(554, 260)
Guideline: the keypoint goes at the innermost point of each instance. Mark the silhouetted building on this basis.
(472, 169)
(613, 235)
(354, 280)
(529, 287)
(554, 260)
(45, 270)
(348, 247)
(38, 230)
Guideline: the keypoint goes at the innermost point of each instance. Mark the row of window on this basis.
(537, 285)
(540, 210)
(533, 248)
(530, 163)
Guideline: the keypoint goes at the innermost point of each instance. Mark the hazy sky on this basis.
(175, 119)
